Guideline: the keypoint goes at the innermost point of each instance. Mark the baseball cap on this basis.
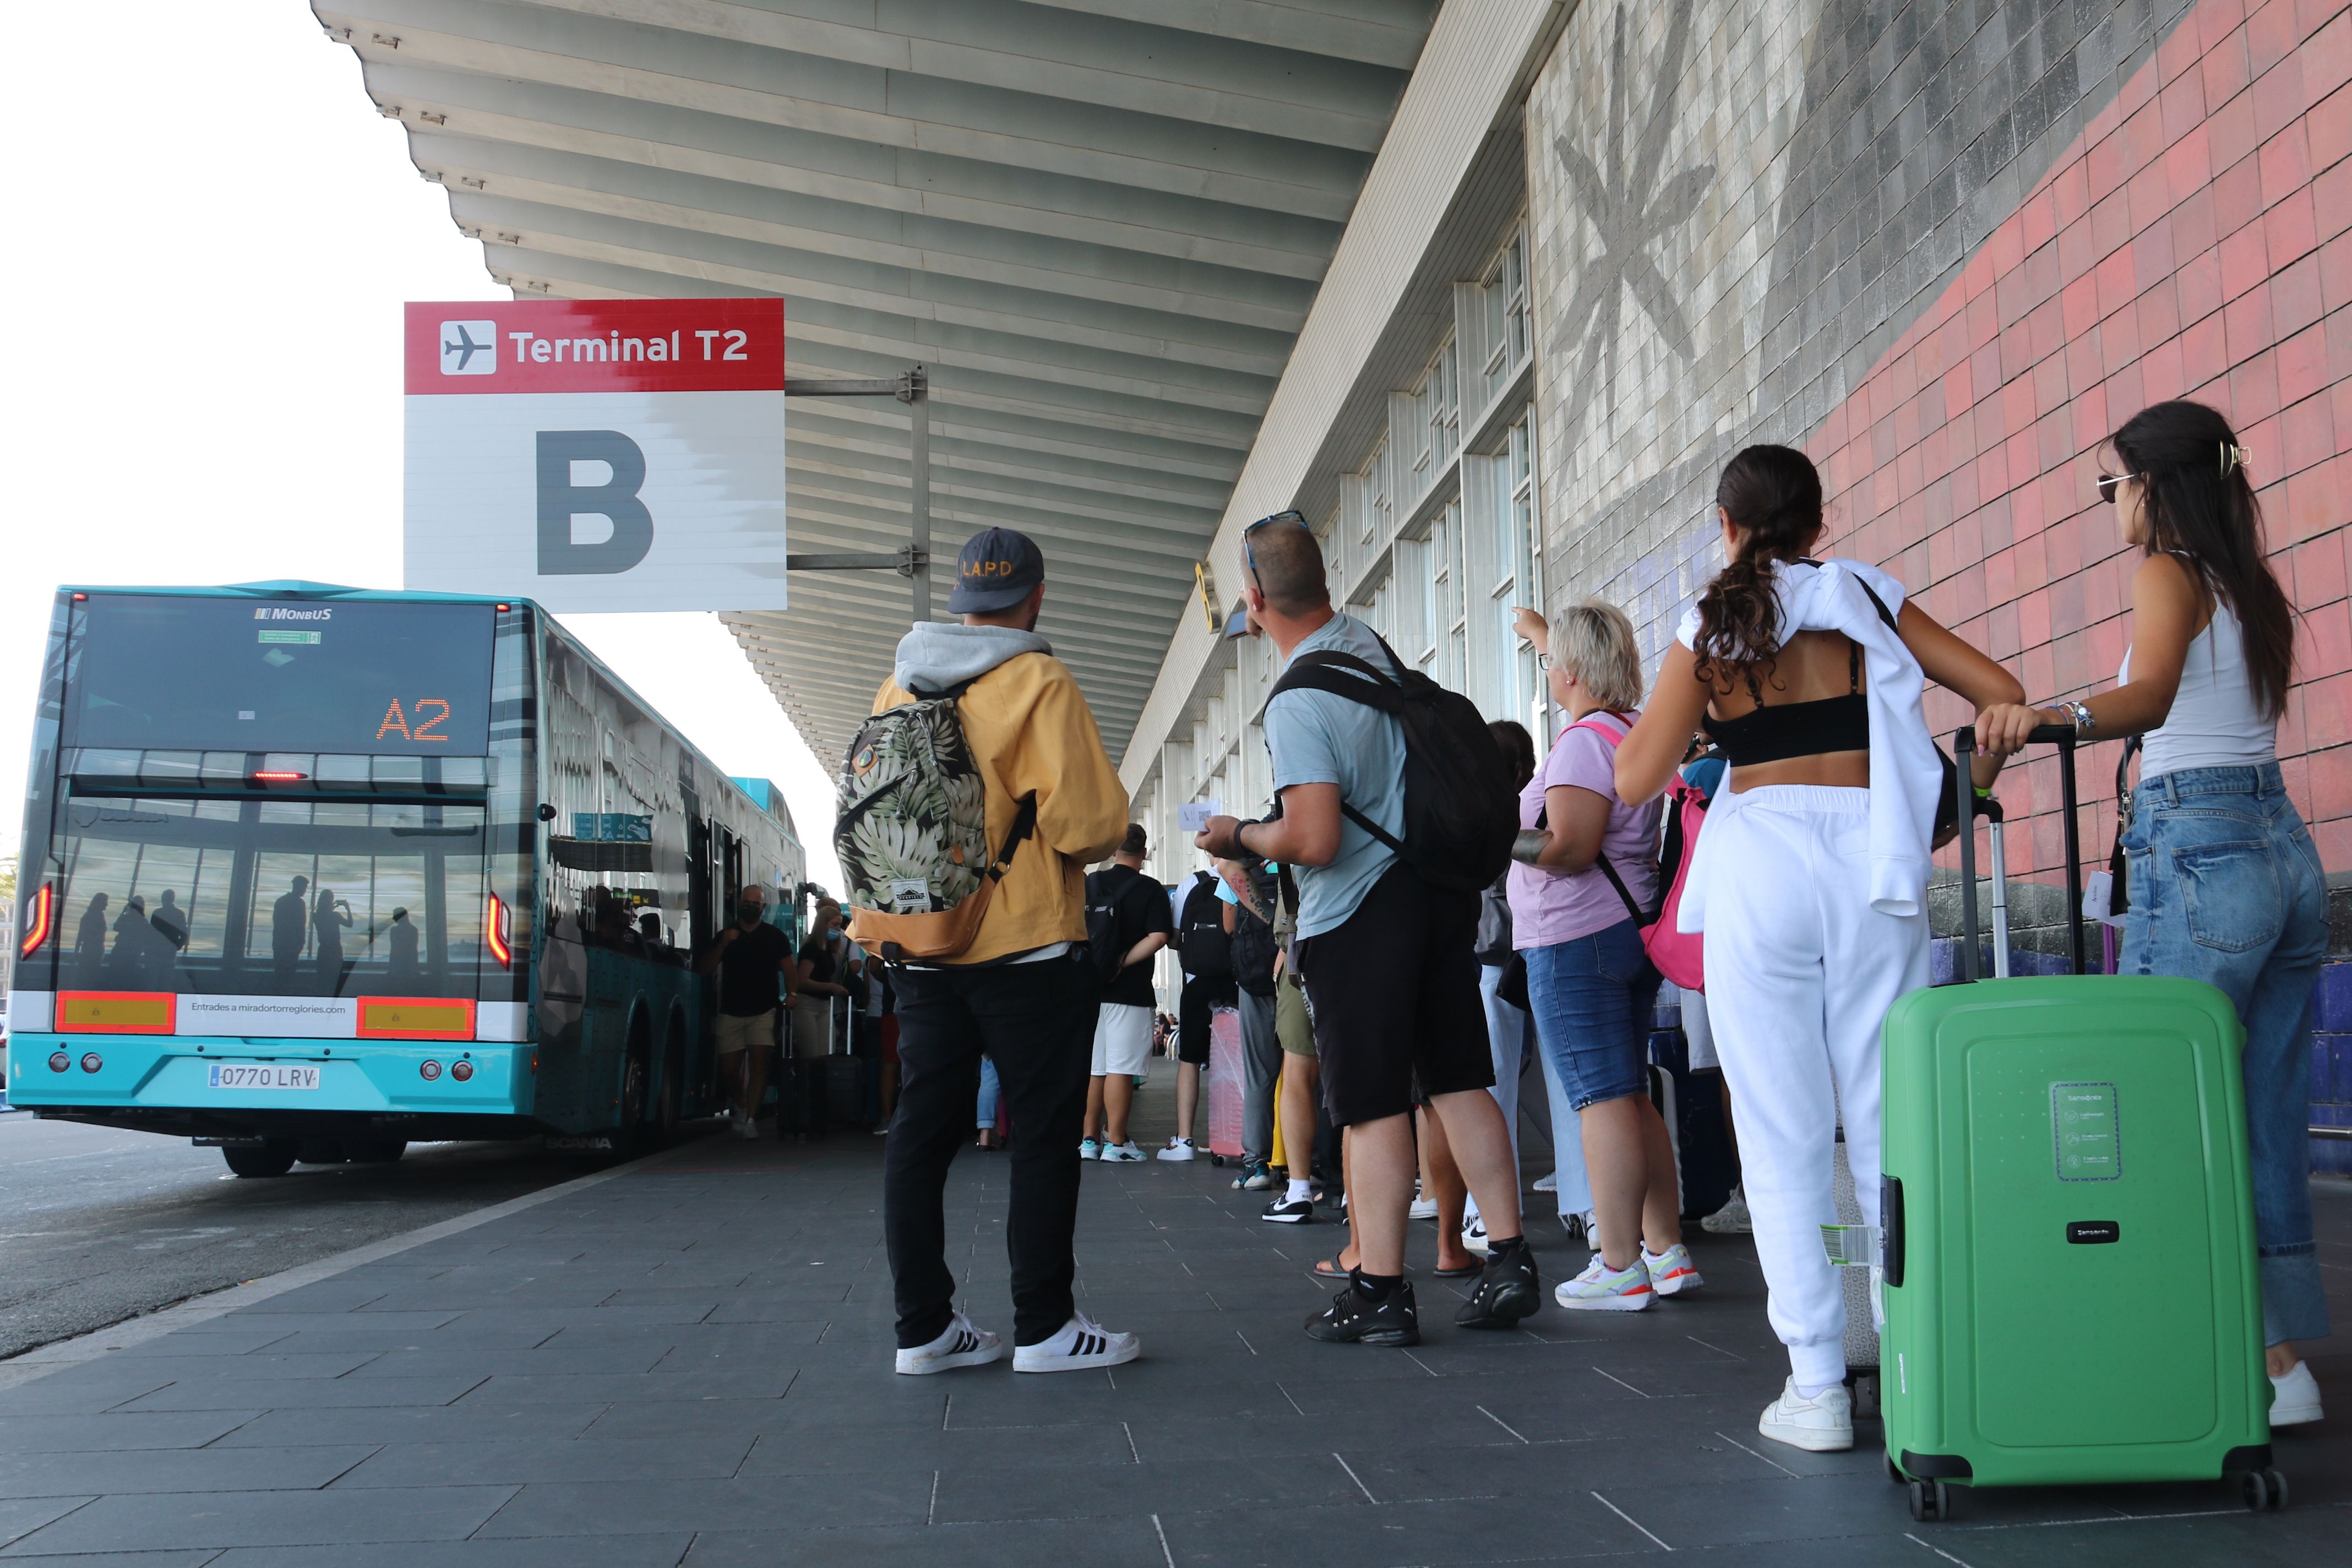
(995, 570)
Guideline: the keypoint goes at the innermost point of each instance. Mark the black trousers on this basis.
(1037, 1022)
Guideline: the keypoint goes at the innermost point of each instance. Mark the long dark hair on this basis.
(1775, 494)
(2200, 505)
(1518, 749)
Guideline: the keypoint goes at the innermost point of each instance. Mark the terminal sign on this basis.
(598, 453)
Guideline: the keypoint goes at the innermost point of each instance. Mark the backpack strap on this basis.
(1319, 671)
(1640, 917)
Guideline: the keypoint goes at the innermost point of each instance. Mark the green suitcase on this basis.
(2068, 1230)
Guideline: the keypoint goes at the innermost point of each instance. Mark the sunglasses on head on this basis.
(2107, 483)
(1250, 556)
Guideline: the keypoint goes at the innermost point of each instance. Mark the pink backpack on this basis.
(1675, 953)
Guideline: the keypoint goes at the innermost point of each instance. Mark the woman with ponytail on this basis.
(2225, 883)
(1811, 881)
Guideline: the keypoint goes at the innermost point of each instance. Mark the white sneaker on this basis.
(1547, 1182)
(1731, 1220)
(2294, 1398)
(1178, 1149)
(1120, 1154)
(1601, 1288)
(1089, 1148)
(1082, 1345)
(1822, 1425)
(747, 1128)
(962, 1345)
(1672, 1272)
(1473, 1237)
(1422, 1209)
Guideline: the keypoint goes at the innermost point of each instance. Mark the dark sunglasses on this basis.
(2107, 483)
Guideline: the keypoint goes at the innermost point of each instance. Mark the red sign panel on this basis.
(477, 346)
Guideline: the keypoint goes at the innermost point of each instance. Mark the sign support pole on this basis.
(912, 560)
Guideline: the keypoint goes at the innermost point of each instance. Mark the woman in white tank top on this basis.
(2225, 882)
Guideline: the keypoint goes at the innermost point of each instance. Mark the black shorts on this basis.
(1192, 1006)
(1395, 994)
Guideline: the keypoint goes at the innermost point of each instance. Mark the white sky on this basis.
(213, 235)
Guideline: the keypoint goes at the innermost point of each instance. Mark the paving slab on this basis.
(688, 1364)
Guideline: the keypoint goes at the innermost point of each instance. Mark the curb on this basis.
(60, 1354)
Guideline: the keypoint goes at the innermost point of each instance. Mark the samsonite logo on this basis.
(469, 348)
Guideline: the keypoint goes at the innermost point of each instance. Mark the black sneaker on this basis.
(1507, 1292)
(1282, 1211)
(1352, 1321)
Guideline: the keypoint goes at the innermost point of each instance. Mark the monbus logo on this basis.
(282, 613)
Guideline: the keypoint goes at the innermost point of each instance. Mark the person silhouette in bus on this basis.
(171, 921)
(329, 916)
(128, 966)
(288, 919)
(403, 939)
(90, 937)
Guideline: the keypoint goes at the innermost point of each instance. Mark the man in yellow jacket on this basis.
(1023, 992)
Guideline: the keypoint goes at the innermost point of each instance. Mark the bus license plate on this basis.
(266, 1075)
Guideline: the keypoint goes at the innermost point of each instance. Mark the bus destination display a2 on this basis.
(163, 672)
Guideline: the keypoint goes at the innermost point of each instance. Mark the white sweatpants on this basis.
(1799, 974)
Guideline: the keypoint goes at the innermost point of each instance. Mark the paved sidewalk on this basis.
(690, 1363)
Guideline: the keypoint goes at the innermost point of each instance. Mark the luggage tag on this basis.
(2098, 899)
(1851, 1246)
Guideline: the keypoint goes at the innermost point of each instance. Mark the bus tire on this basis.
(272, 1157)
(375, 1150)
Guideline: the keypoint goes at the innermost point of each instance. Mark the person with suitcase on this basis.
(2224, 881)
(1203, 939)
(1810, 882)
(1250, 955)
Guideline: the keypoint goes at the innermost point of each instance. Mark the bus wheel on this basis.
(374, 1151)
(272, 1157)
(320, 1152)
(632, 1092)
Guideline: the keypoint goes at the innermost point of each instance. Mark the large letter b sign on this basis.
(559, 500)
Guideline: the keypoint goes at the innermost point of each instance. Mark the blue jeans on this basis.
(2226, 887)
(985, 1112)
(1593, 999)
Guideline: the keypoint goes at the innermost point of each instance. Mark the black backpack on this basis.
(1202, 944)
(1107, 946)
(1252, 940)
(1460, 813)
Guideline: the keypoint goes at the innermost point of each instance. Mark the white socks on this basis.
(1298, 1193)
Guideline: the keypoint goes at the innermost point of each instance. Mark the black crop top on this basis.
(1796, 729)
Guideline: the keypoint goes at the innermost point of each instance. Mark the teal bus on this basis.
(313, 873)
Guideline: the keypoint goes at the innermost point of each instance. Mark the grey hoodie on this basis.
(935, 654)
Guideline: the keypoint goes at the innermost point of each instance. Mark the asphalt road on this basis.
(98, 1225)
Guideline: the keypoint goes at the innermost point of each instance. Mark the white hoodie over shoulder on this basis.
(1905, 773)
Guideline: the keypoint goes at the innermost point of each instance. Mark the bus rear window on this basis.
(188, 673)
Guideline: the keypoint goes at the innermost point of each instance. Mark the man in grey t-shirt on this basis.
(1389, 959)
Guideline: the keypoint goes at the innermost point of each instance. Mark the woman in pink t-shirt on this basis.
(1591, 986)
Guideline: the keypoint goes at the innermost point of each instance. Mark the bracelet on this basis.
(2079, 714)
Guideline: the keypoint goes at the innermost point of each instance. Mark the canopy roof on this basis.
(1100, 224)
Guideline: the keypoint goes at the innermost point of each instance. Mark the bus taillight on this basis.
(40, 919)
(494, 932)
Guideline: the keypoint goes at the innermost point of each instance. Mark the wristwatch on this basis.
(2079, 714)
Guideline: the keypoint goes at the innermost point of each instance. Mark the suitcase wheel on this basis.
(2263, 1490)
(1217, 1159)
(1895, 1471)
(1931, 1501)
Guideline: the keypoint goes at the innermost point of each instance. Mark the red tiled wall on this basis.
(2196, 241)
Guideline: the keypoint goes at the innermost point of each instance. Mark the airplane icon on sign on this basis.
(466, 348)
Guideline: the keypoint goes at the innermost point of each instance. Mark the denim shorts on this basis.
(1593, 998)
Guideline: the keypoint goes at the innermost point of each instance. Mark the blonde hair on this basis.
(1594, 642)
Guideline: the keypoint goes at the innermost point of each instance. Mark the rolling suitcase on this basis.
(1221, 1084)
(2068, 1234)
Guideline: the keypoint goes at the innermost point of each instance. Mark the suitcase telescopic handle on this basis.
(1964, 750)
